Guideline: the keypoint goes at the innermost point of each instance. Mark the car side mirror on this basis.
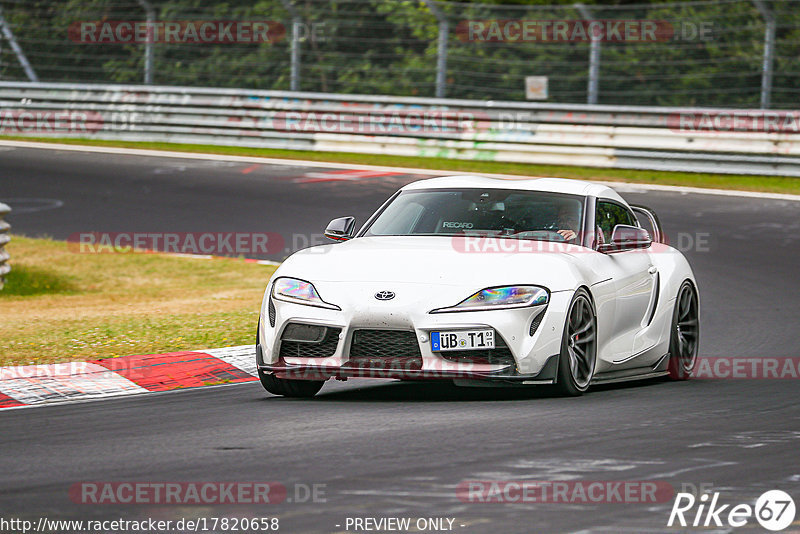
(626, 237)
(341, 229)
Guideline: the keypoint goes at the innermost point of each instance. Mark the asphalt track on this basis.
(400, 449)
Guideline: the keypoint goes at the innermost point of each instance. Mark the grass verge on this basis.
(770, 184)
(59, 306)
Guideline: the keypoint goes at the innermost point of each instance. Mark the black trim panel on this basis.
(548, 373)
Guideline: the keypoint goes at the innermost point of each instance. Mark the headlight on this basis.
(299, 292)
(500, 298)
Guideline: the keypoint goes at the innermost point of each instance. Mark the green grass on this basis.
(24, 280)
(772, 184)
(59, 305)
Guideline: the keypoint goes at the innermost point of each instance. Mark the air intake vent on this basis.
(303, 349)
(536, 322)
(271, 312)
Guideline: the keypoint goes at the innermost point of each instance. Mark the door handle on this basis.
(653, 269)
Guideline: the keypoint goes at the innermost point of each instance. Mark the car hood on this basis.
(440, 261)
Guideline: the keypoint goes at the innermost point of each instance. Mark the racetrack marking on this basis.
(707, 464)
(170, 170)
(347, 175)
(31, 205)
(751, 439)
(557, 468)
(251, 168)
(399, 170)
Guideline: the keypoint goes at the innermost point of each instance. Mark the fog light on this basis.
(304, 333)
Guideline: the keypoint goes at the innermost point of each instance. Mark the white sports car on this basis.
(481, 280)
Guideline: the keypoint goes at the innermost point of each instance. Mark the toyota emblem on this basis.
(384, 295)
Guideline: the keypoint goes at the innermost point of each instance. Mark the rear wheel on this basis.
(685, 334)
(578, 346)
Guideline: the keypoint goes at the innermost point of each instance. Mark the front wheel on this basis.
(290, 388)
(578, 346)
(685, 333)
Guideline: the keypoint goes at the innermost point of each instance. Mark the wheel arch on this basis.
(591, 297)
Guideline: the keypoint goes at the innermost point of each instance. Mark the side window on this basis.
(610, 214)
(402, 221)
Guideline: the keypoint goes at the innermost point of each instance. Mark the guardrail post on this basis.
(4, 238)
(441, 53)
(297, 26)
(594, 59)
(151, 37)
(12, 41)
(769, 52)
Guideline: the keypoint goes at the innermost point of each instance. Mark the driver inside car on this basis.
(567, 222)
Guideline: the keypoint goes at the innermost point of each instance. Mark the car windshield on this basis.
(484, 212)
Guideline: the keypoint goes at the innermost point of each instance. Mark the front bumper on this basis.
(534, 357)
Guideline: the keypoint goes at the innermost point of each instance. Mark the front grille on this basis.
(385, 349)
(499, 355)
(323, 349)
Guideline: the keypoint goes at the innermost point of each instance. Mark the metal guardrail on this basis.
(5, 268)
(664, 138)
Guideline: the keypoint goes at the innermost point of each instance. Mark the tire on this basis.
(578, 358)
(290, 388)
(285, 387)
(684, 333)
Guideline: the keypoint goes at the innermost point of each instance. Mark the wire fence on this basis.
(721, 53)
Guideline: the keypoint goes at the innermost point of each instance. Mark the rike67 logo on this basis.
(774, 510)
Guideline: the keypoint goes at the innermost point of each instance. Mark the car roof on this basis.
(551, 185)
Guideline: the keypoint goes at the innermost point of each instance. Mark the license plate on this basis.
(462, 340)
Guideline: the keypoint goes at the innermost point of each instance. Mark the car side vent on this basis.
(535, 323)
(271, 313)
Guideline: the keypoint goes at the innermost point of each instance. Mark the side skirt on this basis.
(637, 373)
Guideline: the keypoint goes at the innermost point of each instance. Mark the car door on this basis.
(633, 275)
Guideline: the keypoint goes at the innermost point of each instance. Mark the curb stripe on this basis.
(243, 357)
(128, 375)
(174, 370)
(8, 402)
(38, 384)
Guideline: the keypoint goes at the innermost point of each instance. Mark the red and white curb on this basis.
(31, 385)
